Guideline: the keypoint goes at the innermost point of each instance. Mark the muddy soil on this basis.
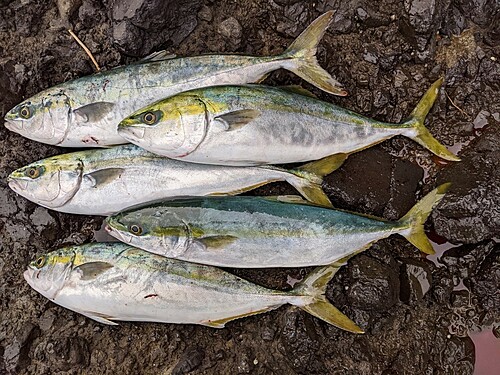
(417, 312)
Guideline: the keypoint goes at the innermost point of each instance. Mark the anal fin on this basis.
(221, 322)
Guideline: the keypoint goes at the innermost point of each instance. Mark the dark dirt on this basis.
(417, 314)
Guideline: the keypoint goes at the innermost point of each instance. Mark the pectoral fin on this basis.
(93, 112)
(222, 322)
(103, 176)
(237, 119)
(91, 270)
(217, 242)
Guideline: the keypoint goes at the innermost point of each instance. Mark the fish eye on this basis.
(40, 261)
(150, 118)
(33, 172)
(25, 112)
(135, 229)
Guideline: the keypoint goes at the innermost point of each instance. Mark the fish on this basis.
(263, 232)
(245, 125)
(85, 112)
(111, 282)
(106, 181)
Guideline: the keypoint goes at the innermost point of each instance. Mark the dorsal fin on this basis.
(156, 56)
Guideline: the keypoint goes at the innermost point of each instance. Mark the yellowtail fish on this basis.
(105, 181)
(85, 112)
(256, 125)
(109, 282)
(261, 232)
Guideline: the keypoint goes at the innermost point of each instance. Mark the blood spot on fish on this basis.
(105, 84)
(90, 140)
(151, 295)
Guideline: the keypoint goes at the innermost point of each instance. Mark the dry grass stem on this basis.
(87, 51)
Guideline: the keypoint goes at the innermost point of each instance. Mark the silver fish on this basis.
(85, 112)
(111, 282)
(256, 125)
(105, 181)
(262, 232)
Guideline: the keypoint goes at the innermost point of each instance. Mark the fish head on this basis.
(50, 182)
(48, 273)
(154, 229)
(44, 117)
(173, 127)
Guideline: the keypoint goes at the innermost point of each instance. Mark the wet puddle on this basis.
(487, 348)
(440, 245)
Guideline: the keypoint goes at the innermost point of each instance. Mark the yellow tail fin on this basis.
(418, 214)
(416, 122)
(303, 51)
(315, 285)
(311, 176)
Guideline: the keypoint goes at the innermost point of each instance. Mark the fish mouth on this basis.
(30, 275)
(113, 228)
(12, 125)
(132, 132)
(17, 184)
(123, 237)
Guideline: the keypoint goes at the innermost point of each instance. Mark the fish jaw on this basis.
(132, 133)
(18, 185)
(12, 125)
(117, 230)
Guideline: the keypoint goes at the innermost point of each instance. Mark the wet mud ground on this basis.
(418, 312)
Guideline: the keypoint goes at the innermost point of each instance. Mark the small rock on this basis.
(68, 352)
(469, 211)
(46, 320)
(231, 29)
(139, 25)
(189, 361)
(481, 119)
(205, 13)
(487, 282)
(362, 14)
(415, 278)
(41, 217)
(16, 352)
(373, 285)
(298, 341)
(420, 14)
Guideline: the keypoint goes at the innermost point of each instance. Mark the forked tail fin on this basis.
(315, 285)
(419, 132)
(418, 214)
(303, 52)
(307, 179)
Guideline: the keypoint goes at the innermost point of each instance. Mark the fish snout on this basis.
(132, 132)
(29, 275)
(17, 184)
(12, 125)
